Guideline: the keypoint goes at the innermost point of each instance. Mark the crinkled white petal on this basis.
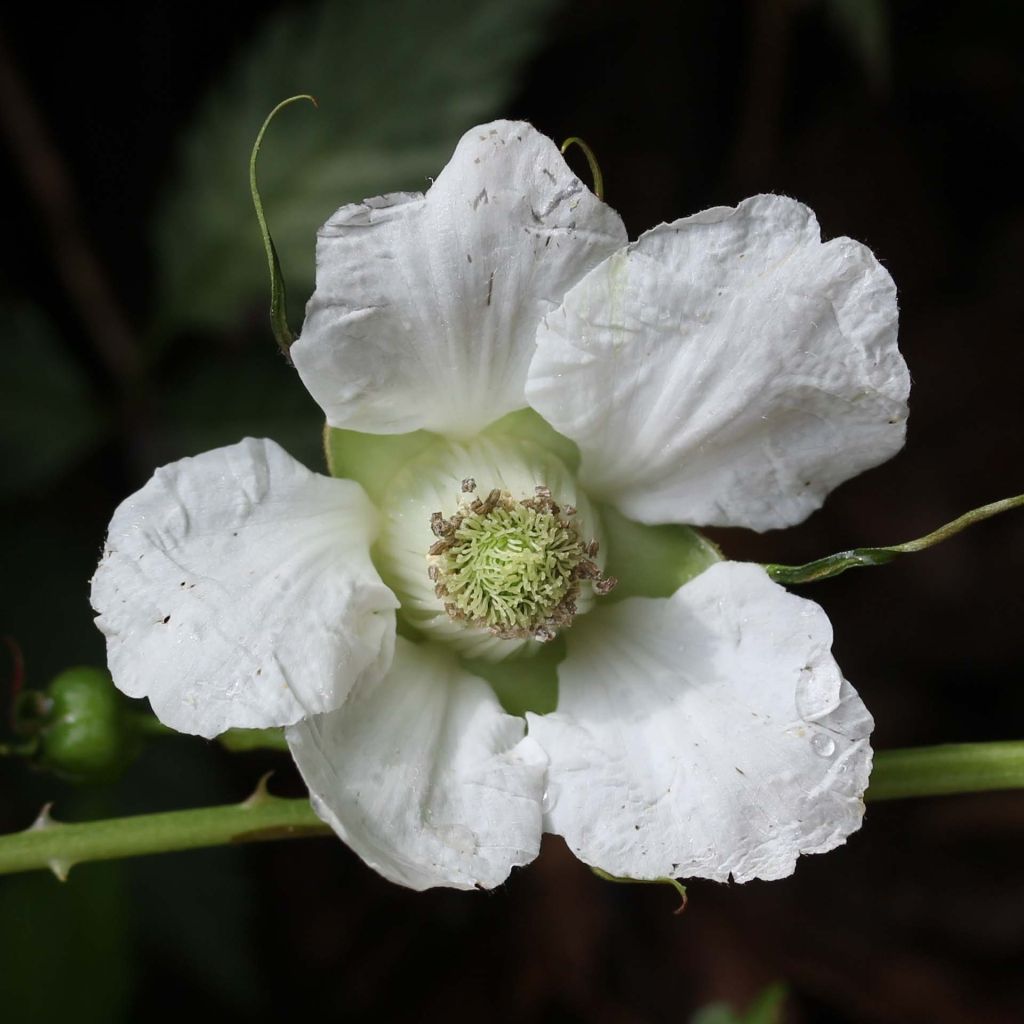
(432, 482)
(426, 306)
(236, 590)
(728, 369)
(425, 776)
(709, 734)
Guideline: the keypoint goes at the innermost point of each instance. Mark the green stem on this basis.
(59, 846)
(952, 768)
(240, 740)
(858, 558)
(924, 771)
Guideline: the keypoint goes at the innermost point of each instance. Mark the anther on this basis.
(513, 567)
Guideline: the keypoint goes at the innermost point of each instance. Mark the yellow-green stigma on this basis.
(513, 567)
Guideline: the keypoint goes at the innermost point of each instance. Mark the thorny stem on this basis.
(47, 844)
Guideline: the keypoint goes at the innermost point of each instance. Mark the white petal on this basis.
(728, 369)
(707, 734)
(424, 775)
(426, 307)
(432, 482)
(236, 590)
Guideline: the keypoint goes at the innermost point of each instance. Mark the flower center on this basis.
(513, 567)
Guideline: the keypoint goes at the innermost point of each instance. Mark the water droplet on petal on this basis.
(823, 745)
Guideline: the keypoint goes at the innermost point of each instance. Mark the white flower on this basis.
(726, 369)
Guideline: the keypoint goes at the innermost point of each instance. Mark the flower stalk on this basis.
(58, 846)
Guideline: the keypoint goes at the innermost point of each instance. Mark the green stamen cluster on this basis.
(512, 567)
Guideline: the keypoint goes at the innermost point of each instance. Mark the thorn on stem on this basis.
(260, 795)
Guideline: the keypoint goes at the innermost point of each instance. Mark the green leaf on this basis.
(397, 82)
(49, 418)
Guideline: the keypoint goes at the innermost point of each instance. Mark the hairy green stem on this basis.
(53, 845)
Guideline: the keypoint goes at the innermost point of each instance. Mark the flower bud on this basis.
(89, 735)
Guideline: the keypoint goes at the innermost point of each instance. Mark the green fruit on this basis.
(89, 735)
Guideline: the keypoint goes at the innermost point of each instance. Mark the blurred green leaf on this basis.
(64, 949)
(48, 416)
(765, 1009)
(224, 396)
(864, 24)
(196, 911)
(398, 82)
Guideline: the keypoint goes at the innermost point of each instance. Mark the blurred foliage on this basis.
(48, 416)
(864, 24)
(64, 949)
(765, 1009)
(397, 81)
(220, 397)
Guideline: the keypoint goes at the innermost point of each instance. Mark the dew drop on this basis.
(823, 745)
(547, 803)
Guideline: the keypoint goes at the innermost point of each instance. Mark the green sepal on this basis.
(278, 298)
(860, 558)
(89, 734)
(528, 425)
(523, 682)
(674, 882)
(595, 168)
(372, 459)
(652, 561)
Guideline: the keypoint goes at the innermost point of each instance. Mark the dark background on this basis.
(133, 300)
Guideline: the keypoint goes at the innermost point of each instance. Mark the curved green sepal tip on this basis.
(278, 297)
(674, 882)
(595, 169)
(860, 558)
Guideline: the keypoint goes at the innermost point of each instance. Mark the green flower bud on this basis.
(89, 735)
